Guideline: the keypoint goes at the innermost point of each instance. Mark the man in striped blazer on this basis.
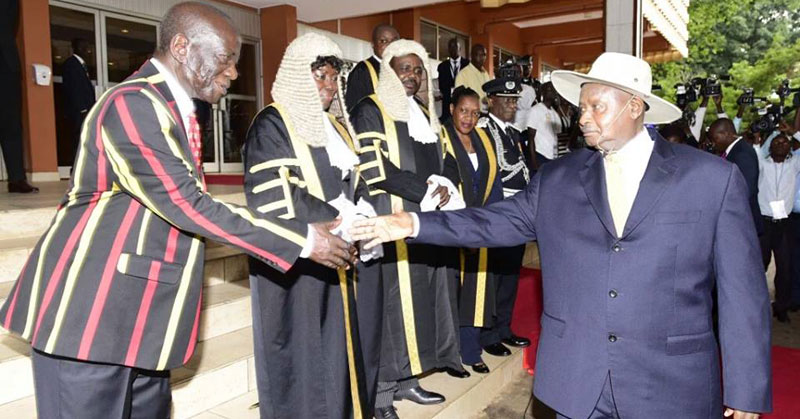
(110, 297)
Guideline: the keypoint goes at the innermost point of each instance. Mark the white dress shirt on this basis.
(524, 104)
(182, 99)
(777, 185)
(632, 160)
(547, 123)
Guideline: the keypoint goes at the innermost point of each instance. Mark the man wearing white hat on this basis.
(633, 238)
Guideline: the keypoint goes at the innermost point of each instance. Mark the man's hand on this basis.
(739, 414)
(329, 250)
(383, 229)
(718, 102)
(787, 129)
(444, 195)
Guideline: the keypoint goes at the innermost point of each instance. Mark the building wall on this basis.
(507, 36)
(245, 18)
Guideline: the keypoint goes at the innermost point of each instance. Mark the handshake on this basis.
(334, 252)
(336, 243)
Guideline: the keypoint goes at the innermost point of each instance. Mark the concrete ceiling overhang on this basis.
(311, 11)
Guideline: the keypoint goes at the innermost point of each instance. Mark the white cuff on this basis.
(722, 115)
(415, 228)
(310, 237)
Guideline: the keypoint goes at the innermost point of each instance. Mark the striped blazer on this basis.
(117, 278)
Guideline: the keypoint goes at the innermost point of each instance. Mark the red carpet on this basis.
(785, 361)
(785, 383)
(527, 312)
(220, 179)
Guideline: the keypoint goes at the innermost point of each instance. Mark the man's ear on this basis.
(637, 107)
(179, 48)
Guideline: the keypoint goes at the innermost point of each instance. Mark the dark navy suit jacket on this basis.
(744, 157)
(638, 306)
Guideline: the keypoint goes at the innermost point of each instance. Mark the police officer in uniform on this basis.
(503, 94)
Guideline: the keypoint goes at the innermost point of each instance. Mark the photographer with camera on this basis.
(709, 88)
(777, 190)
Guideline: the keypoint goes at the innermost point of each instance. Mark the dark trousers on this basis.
(69, 388)
(606, 407)
(386, 390)
(506, 263)
(76, 123)
(11, 124)
(776, 241)
(470, 345)
(369, 290)
(794, 222)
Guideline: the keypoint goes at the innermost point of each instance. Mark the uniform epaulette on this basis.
(483, 122)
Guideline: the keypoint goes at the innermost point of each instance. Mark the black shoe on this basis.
(782, 316)
(457, 373)
(517, 341)
(21, 186)
(480, 368)
(497, 349)
(386, 413)
(419, 395)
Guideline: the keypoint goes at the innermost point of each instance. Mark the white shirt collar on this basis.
(636, 151)
(497, 120)
(377, 58)
(80, 60)
(339, 154)
(730, 147)
(184, 101)
(418, 125)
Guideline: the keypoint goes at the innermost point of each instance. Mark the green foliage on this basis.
(757, 42)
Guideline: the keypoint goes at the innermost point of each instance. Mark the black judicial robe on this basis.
(308, 361)
(361, 81)
(420, 309)
(482, 187)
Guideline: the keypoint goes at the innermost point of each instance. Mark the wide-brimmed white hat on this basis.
(625, 72)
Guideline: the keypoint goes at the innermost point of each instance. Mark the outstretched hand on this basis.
(330, 250)
(740, 414)
(382, 229)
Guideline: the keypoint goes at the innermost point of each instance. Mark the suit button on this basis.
(612, 293)
(616, 247)
(612, 338)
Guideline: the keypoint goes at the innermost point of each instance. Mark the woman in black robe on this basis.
(480, 185)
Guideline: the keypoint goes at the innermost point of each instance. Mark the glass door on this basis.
(127, 42)
(114, 46)
(71, 24)
(224, 126)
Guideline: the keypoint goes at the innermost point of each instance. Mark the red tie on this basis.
(196, 146)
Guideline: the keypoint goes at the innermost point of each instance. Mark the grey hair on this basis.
(187, 18)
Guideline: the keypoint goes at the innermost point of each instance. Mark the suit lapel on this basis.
(656, 178)
(159, 84)
(593, 179)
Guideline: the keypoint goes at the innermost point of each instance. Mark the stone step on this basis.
(226, 310)
(466, 397)
(221, 371)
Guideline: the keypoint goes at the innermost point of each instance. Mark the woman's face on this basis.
(465, 114)
(327, 79)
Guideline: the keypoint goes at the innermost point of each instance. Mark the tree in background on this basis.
(756, 42)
